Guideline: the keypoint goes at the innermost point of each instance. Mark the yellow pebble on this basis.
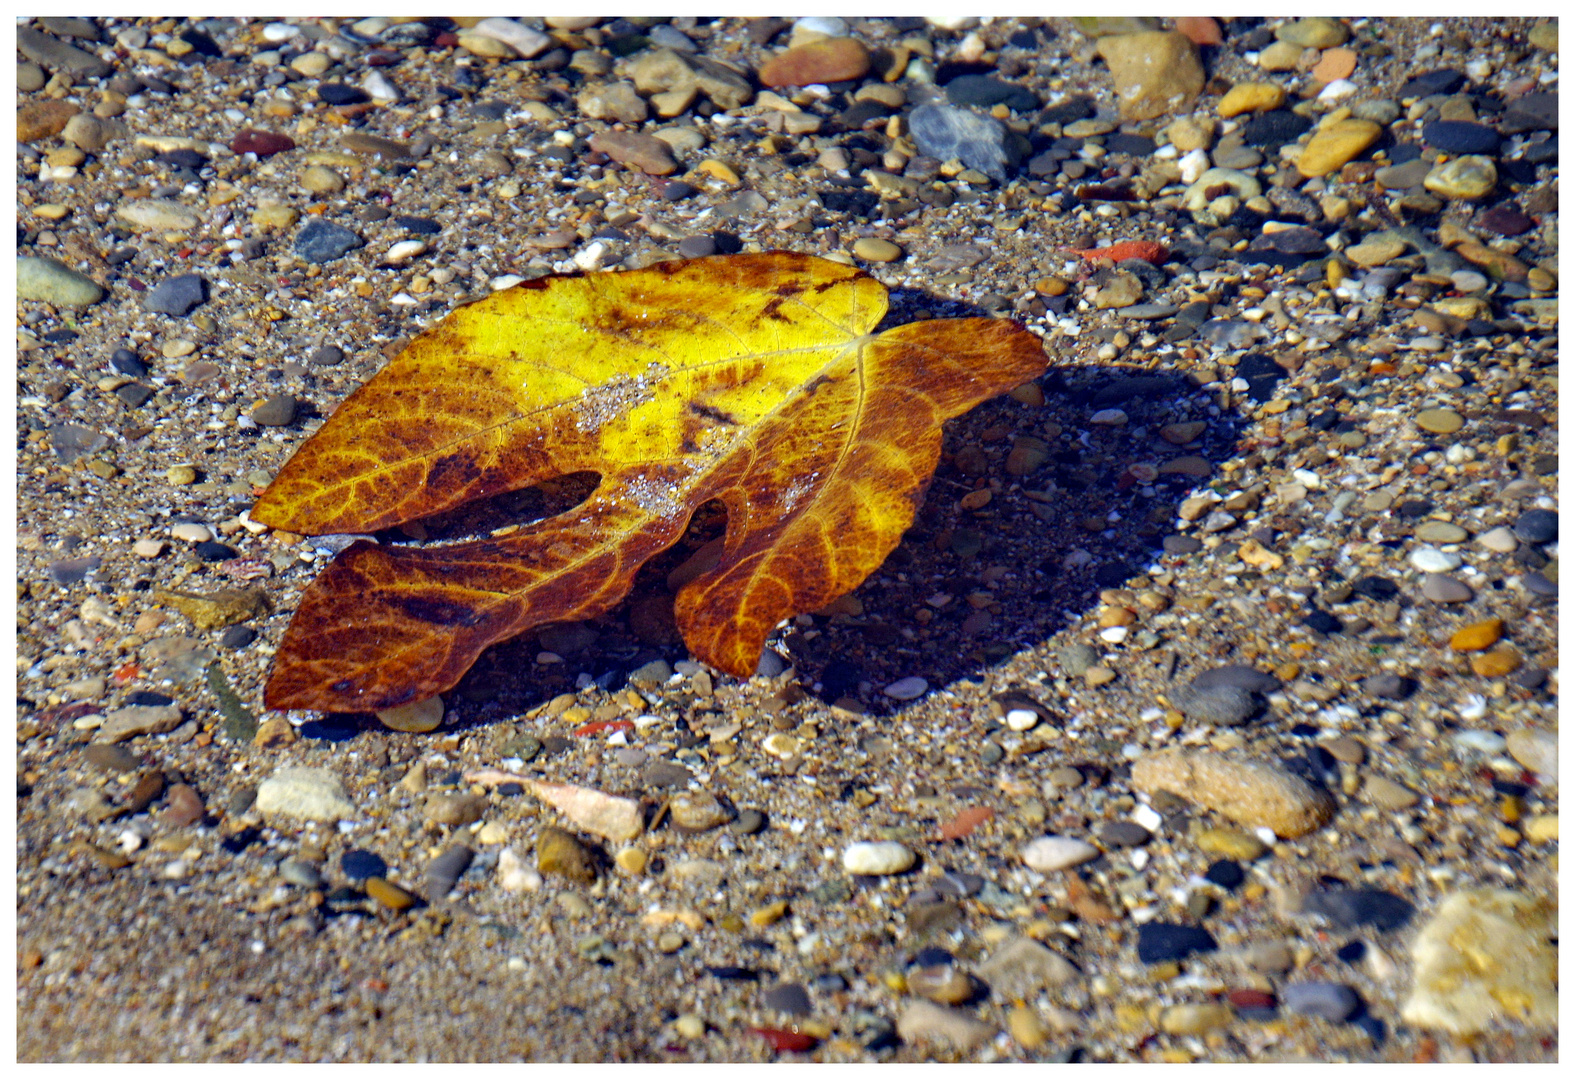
(1477, 636)
(388, 894)
(632, 860)
(769, 914)
(1497, 663)
(1251, 97)
(715, 168)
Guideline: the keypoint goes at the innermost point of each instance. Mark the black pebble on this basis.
(1537, 526)
(790, 998)
(134, 395)
(1226, 873)
(237, 637)
(1375, 588)
(125, 361)
(340, 94)
(1159, 942)
(1444, 81)
(1352, 951)
(184, 158)
(675, 190)
(213, 551)
(511, 788)
(358, 865)
(1461, 137)
(1322, 622)
(728, 973)
(148, 697)
(931, 956)
(419, 225)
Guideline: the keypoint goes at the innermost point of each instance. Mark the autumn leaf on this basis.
(754, 380)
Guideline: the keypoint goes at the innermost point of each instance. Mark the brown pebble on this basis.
(262, 143)
(560, 852)
(1252, 793)
(1497, 663)
(43, 119)
(645, 152)
(273, 733)
(825, 61)
(148, 788)
(390, 895)
(455, 810)
(182, 806)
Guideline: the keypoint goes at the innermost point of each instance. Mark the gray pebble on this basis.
(1247, 678)
(445, 870)
(749, 822)
(1122, 834)
(665, 774)
(1331, 1001)
(1222, 706)
(326, 356)
(1078, 658)
(71, 441)
(790, 998)
(1443, 589)
(277, 411)
(1388, 685)
(696, 247)
(979, 142)
(1538, 584)
(322, 241)
(71, 571)
(771, 664)
(302, 873)
(176, 295)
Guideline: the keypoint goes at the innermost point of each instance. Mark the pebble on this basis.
(176, 296)
(1331, 147)
(55, 55)
(1441, 532)
(312, 794)
(1222, 706)
(522, 39)
(1048, 854)
(302, 873)
(1537, 526)
(136, 720)
(647, 153)
(43, 119)
(1314, 32)
(697, 811)
(322, 241)
(1444, 589)
(514, 875)
(1440, 421)
(264, 144)
(1253, 794)
(1351, 908)
(1477, 636)
(1469, 177)
(417, 717)
(1231, 843)
(357, 865)
(445, 871)
(455, 810)
(1331, 1001)
(1488, 957)
(612, 817)
(925, 1021)
(1161, 942)
(948, 133)
(1154, 72)
(391, 896)
(52, 282)
(1460, 137)
(907, 689)
(871, 249)
(834, 59)
(877, 857)
(1242, 676)
(561, 853)
(1195, 1019)
(1388, 795)
(1251, 97)
(1537, 749)
(790, 998)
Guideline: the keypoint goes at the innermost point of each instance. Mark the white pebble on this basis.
(278, 31)
(504, 281)
(1050, 853)
(1336, 90)
(1307, 479)
(514, 875)
(152, 549)
(378, 87)
(1115, 635)
(1021, 719)
(1501, 539)
(405, 249)
(592, 257)
(1430, 560)
(192, 532)
(877, 857)
(907, 689)
(1194, 163)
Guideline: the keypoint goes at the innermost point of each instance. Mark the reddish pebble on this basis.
(1200, 30)
(182, 806)
(446, 40)
(786, 1040)
(825, 61)
(966, 822)
(1252, 999)
(262, 143)
(596, 727)
(1334, 64)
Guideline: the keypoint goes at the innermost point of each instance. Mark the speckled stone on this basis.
(1251, 793)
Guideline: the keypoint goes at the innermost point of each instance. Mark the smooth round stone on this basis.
(1441, 532)
(1537, 526)
(1314, 32)
(1388, 795)
(874, 250)
(697, 811)
(1501, 539)
(1160, 942)
(1331, 1001)
(1440, 421)
(1375, 252)
(1251, 97)
(1536, 749)
(322, 241)
(1021, 719)
(1195, 1019)
(1430, 560)
(1331, 147)
(877, 857)
(302, 873)
(1048, 854)
(52, 282)
(907, 689)
(1123, 834)
(1406, 175)
(1443, 589)
(357, 865)
(1231, 843)
(1477, 636)
(277, 411)
(418, 716)
(790, 998)
(1468, 177)
(1468, 281)
(390, 895)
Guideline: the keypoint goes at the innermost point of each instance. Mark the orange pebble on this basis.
(1334, 64)
(1200, 30)
(1477, 636)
